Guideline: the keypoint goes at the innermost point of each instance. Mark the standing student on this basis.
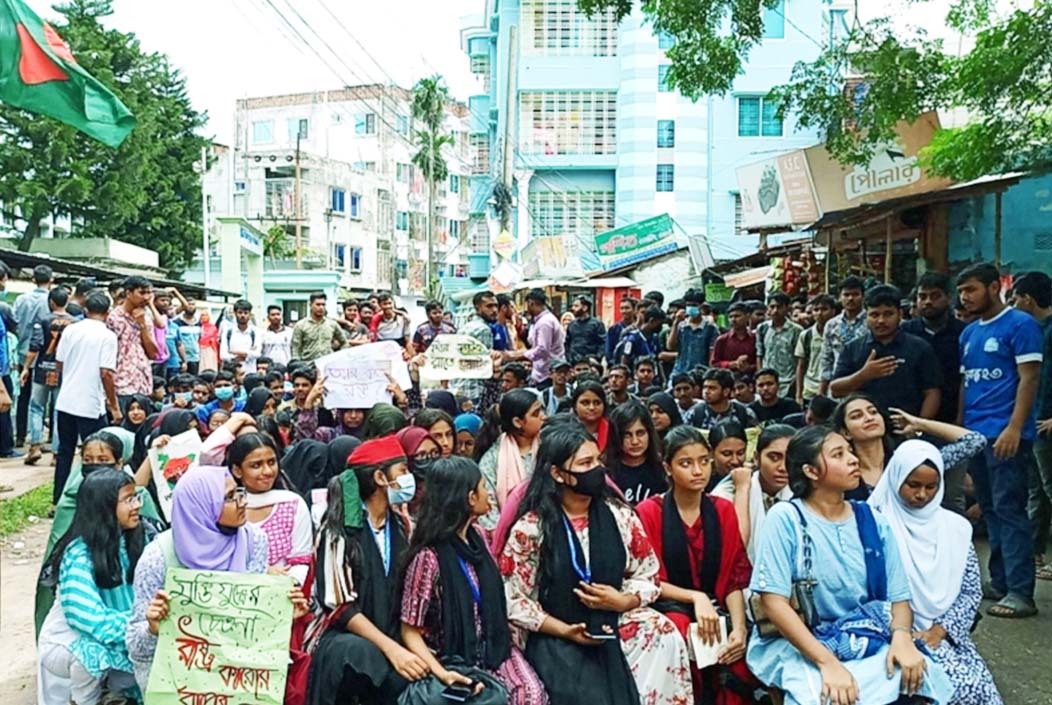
(30, 309)
(634, 453)
(136, 346)
(627, 308)
(480, 326)
(577, 565)
(809, 350)
(87, 353)
(776, 341)
(316, 335)
(81, 643)
(40, 365)
(546, 339)
(586, 335)
(1001, 356)
(735, 350)
(842, 328)
(454, 609)
(276, 338)
(691, 335)
(860, 590)
(242, 341)
(435, 325)
(771, 406)
(354, 640)
(936, 325)
(703, 566)
(391, 324)
(718, 403)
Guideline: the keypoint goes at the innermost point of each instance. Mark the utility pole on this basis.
(296, 195)
(204, 215)
(512, 88)
(430, 270)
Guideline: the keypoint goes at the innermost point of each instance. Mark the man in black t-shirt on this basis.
(41, 364)
(769, 407)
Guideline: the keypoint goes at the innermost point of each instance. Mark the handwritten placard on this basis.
(457, 357)
(385, 351)
(356, 385)
(225, 641)
(169, 462)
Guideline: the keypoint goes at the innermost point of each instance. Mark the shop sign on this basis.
(777, 192)
(635, 243)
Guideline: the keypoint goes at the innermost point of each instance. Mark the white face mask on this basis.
(402, 489)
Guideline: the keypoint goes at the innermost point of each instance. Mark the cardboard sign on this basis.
(225, 641)
(356, 384)
(387, 350)
(457, 357)
(169, 463)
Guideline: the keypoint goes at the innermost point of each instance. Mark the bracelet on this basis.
(895, 628)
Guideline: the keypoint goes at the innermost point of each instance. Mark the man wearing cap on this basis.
(560, 389)
(31, 309)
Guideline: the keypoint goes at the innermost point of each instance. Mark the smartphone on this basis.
(602, 636)
(459, 692)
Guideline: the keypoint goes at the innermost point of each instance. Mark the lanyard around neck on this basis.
(475, 594)
(584, 572)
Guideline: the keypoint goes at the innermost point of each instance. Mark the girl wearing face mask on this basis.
(579, 573)
(509, 461)
(728, 442)
(936, 542)
(282, 515)
(82, 640)
(755, 489)
(422, 451)
(453, 601)
(209, 532)
(703, 564)
(354, 632)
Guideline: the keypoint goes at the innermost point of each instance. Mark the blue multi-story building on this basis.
(596, 138)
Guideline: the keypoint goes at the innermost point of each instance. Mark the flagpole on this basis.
(204, 215)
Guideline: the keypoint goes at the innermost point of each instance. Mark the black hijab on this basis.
(339, 450)
(667, 403)
(442, 399)
(176, 421)
(307, 463)
(145, 403)
(458, 603)
(257, 399)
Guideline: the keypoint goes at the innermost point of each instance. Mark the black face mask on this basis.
(228, 530)
(591, 482)
(421, 468)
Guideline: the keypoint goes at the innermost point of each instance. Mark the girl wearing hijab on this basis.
(209, 532)
(280, 514)
(137, 408)
(589, 405)
(82, 640)
(354, 634)
(442, 400)
(349, 422)
(383, 420)
(509, 461)
(261, 403)
(863, 625)
(728, 442)
(941, 566)
(466, 427)
(209, 342)
(634, 453)
(439, 425)
(664, 412)
(422, 451)
(579, 573)
(453, 601)
(754, 492)
(703, 563)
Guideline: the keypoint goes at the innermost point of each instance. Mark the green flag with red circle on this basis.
(38, 73)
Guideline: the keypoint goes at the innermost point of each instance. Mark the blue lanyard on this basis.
(584, 573)
(471, 582)
(386, 553)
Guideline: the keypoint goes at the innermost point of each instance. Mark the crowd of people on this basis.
(798, 492)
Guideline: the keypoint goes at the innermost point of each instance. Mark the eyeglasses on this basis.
(433, 455)
(132, 500)
(238, 496)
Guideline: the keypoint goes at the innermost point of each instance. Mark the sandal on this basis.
(1044, 572)
(1013, 607)
(992, 593)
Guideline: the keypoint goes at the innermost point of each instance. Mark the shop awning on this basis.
(747, 278)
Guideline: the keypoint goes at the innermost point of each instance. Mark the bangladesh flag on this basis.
(38, 73)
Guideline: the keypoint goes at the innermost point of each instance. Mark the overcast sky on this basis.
(229, 49)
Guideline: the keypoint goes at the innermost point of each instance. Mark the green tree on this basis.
(430, 97)
(277, 244)
(147, 191)
(876, 75)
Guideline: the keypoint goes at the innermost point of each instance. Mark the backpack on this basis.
(251, 333)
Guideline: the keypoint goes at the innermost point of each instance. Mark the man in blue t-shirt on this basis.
(1001, 355)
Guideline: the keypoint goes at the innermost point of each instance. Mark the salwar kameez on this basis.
(651, 643)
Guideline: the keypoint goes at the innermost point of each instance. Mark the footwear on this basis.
(12, 454)
(1044, 572)
(1013, 607)
(34, 455)
(992, 593)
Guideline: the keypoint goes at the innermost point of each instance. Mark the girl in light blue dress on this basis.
(864, 622)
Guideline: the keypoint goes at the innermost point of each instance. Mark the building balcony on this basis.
(478, 266)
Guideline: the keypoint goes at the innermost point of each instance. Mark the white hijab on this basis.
(933, 543)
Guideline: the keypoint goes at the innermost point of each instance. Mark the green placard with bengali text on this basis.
(225, 641)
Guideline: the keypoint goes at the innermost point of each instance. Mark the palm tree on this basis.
(430, 97)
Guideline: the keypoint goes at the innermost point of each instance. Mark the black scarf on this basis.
(674, 546)
(458, 604)
(306, 463)
(377, 592)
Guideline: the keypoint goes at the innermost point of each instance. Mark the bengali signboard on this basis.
(456, 357)
(359, 374)
(225, 641)
(777, 192)
(635, 243)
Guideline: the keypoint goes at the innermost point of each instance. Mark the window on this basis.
(365, 166)
(758, 117)
(298, 127)
(738, 215)
(356, 205)
(574, 213)
(402, 220)
(262, 132)
(480, 154)
(341, 255)
(402, 124)
(568, 122)
(666, 177)
(561, 28)
(454, 229)
(403, 173)
(356, 259)
(663, 86)
(665, 40)
(454, 183)
(480, 64)
(478, 233)
(774, 21)
(338, 200)
(239, 187)
(666, 133)
(365, 124)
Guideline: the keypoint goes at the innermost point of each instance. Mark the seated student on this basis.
(383, 420)
(217, 419)
(745, 388)
(819, 410)
(454, 609)
(224, 391)
(664, 412)
(509, 462)
(182, 386)
(513, 376)
(261, 402)
(940, 563)
(439, 425)
(719, 404)
(209, 532)
(864, 626)
(82, 639)
(770, 407)
(559, 392)
(754, 492)
(645, 373)
(729, 443)
(589, 406)
(160, 393)
(683, 391)
(348, 422)
(634, 453)
(136, 409)
(577, 565)
(617, 382)
(421, 452)
(703, 566)
(467, 427)
(354, 641)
